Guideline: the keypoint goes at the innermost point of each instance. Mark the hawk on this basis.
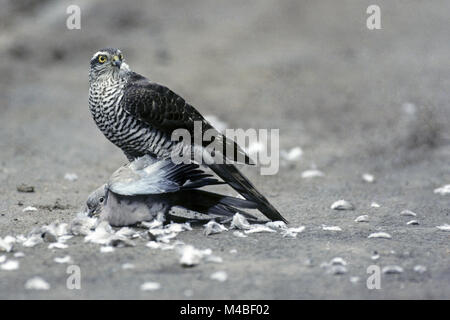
(139, 116)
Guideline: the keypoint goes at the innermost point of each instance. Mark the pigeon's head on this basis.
(106, 63)
(96, 201)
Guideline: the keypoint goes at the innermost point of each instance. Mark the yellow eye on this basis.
(102, 59)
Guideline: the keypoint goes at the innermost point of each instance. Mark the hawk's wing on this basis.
(164, 110)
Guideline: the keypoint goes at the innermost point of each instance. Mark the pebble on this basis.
(25, 188)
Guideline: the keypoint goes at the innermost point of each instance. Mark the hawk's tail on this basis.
(231, 175)
(206, 202)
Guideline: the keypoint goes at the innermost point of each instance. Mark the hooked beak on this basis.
(116, 62)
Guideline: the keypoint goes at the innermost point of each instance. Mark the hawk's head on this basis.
(106, 63)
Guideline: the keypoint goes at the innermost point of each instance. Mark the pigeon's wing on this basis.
(164, 110)
(162, 176)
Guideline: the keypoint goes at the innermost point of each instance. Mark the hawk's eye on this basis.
(102, 59)
(102, 200)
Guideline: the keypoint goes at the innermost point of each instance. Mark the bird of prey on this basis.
(139, 117)
(145, 187)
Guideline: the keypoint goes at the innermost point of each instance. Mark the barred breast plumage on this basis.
(128, 133)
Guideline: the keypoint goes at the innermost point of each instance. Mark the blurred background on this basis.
(355, 100)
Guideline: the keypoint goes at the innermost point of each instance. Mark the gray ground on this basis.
(311, 69)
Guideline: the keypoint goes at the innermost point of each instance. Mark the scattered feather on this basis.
(276, 224)
(220, 276)
(7, 244)
(150, 286)
(29, 209)
(71, 177)
(106, 249)
(82, 225)
(337, 270)
(239, 234)
(33, 240)
(375, 256)
(392, 269)
(213, 227)
(10, 265)
(37, 283)
(338, 261)
(375, 205)
(258, 229)
(342, 205)
(413, 222)
(293, 154)
(66, 259)
(240, 222)
(444, 190)
(331, 228)
(444, 227)
(384, 235)
(128, 266)
(408, 213)
(292, 232)
(190, 256)
(354, 280)
(420, 269)
(363, 218)
(367, 177)
(57, 245)
(312, 173)
(213, 259)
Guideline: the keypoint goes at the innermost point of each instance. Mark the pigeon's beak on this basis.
(116, 62)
